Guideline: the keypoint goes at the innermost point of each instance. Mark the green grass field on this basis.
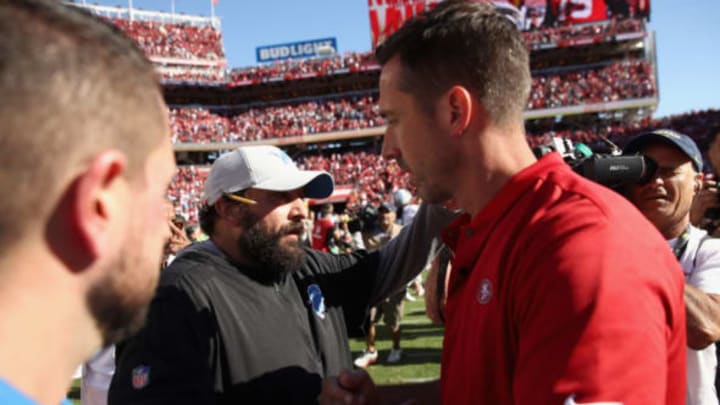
(421, 342)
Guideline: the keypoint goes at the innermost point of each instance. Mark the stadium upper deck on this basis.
(585, 69)
(590, 81)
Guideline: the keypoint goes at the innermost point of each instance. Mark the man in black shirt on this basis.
(251, 316)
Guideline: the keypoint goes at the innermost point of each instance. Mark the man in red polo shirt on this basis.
(561, 292)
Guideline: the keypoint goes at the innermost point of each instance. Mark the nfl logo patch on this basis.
(140, 377)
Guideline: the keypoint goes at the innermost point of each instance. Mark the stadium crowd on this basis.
(199, 125)
(696, 124)
(597, 84)
(581, 34)
(174, 40)
(300, 68)
(569, 35)
(374, 180)
(185, 189)
(626, 80)
(204, 42)
(193, 74)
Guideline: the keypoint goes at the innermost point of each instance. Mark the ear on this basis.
(460, 104)
(81, 228)
(228, 211)
(699, 178)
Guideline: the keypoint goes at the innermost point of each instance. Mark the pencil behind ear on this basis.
(229, 211)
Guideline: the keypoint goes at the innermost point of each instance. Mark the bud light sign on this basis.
(296, 50)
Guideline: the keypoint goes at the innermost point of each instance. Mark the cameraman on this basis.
(665, 200)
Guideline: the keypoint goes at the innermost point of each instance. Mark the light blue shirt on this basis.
(9, 395)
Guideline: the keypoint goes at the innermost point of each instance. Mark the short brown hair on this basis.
(465, 43)
(72, 85)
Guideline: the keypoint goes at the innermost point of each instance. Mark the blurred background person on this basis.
(390, 309)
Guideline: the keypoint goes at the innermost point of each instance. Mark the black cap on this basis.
(388, 206)
(677, 139)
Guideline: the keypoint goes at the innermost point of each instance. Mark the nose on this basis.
(389, 149)
(656, 179)
(298, 209)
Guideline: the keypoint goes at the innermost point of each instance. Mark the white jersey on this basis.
(96, 377)
(408, 213)
(702, 270)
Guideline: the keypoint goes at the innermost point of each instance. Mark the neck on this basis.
(229, 247)
(226, 239)
(676, 229)
(490, 159)
(46, 331)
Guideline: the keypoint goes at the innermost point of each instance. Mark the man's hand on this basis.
(706, 197)
(703, 318)
(178, 239)
(349, 388)
(434, 302)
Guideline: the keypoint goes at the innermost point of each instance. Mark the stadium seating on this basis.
(375, 179)
(562, 36)
(200, 125)
(582, 34)
(179, 40)
(586, 85)
(185, 191)
(203, 42)
(615, 82)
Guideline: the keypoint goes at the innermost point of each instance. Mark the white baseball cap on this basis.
(264, 168)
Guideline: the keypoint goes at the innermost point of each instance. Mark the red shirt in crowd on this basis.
(561, 289)
(319, 233)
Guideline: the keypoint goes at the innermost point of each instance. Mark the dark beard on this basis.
(263, 248)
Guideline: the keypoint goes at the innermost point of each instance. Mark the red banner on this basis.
(387, 16)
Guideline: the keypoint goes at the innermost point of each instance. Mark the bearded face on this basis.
(119, 301)
(275, 251)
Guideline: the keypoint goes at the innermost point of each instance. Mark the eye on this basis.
(668, 171)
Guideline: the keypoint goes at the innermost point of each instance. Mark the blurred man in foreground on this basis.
(561, 292)
(82, 226)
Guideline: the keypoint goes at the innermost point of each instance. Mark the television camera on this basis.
(612, 169)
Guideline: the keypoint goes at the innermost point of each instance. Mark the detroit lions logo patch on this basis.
(316, 300)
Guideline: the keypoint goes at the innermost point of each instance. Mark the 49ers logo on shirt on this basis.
(485, 291)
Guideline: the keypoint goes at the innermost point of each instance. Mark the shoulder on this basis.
(704, 246)
(703, 266)
(11, 396)
(588, 232)
(196, 273)
(317, 262)
(565, 203)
